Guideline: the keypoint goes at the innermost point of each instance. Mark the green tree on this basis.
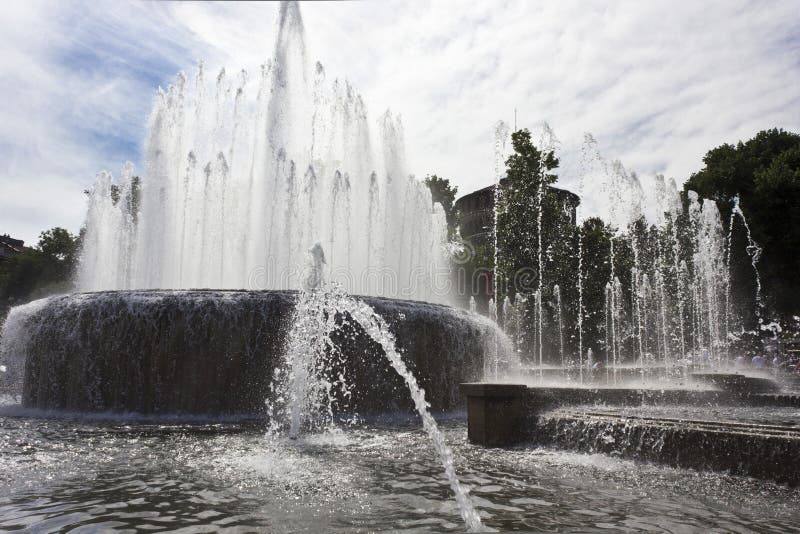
(57, 243)
(44, 269)
(527, 170)
(731, 170)
(596, 238)
(764, 173)
(445, 194)
(528, 177)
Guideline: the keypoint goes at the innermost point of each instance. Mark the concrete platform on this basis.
(506, 414)
(494, 412)
(759, 451)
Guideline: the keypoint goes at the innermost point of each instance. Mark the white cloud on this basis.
(657, 83)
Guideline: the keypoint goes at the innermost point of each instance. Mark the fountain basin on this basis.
(767, 451)
(644, 424)
(210, 352)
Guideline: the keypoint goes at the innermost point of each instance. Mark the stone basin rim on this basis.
(288, 292)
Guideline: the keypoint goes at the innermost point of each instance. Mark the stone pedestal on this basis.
(494, 413)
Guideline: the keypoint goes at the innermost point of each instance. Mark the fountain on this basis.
(142, 400)
(240, 176)
(243, 173)
(661, 275)
(666, 305)
(212, 352)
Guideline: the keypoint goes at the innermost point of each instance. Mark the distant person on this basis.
(759, 362)
(740, 362)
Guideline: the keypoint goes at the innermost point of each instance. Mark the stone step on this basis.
(759, 451)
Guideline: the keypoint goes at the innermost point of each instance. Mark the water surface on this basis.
(87, 476)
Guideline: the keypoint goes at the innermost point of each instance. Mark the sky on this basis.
(657, 83)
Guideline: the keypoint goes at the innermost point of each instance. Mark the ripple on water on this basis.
(61, 474)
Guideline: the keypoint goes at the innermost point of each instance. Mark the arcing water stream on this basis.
(239, 178)
(305, 387)
(241, 173)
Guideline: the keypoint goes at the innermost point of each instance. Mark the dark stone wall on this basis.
(749, 450)
(213, 352)
(509, 414)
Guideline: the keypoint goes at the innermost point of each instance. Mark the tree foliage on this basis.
(445, 194)
(40, 270)
(764, 173)
(519, 235)
(57, 243)
(527, 170)
(596, 244)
